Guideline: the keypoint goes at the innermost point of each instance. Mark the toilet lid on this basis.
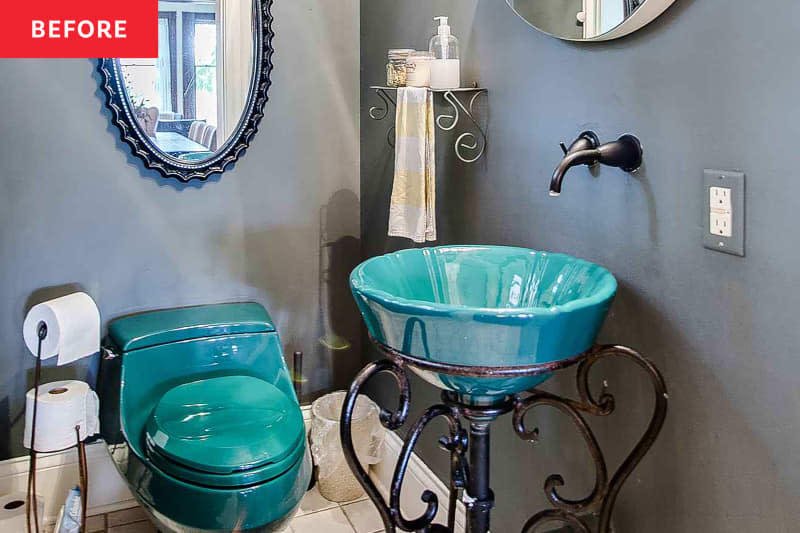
(225, 425)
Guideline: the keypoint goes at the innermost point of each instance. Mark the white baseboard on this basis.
(57, 473)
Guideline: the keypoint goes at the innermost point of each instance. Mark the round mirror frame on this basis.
(170, 167)
(644, 15)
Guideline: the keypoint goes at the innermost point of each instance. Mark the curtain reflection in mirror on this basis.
(235, 62)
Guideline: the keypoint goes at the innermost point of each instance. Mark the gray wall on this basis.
(77, 208)
(710, 84)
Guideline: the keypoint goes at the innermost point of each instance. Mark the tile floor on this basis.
(315, 514)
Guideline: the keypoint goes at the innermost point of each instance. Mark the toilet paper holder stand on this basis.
(81, 445)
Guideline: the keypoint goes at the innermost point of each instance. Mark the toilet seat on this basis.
(227, 431)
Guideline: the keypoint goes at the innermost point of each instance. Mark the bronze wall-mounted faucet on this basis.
(625, 153)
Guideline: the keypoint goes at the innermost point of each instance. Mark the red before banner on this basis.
(79, 28)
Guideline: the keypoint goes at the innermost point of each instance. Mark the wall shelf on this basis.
(469, 146)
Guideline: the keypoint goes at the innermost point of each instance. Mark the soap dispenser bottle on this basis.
(446, 64)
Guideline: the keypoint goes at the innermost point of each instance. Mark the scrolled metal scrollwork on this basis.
(390, 420)
(477, 142)
(455, 443)
(381, 112)
(554, 481)
(605, 493)
(653, 429)
(454, 118)
(554, 515)
(469, 146)
(591, 514)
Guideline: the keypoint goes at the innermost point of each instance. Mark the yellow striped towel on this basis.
(412, 213)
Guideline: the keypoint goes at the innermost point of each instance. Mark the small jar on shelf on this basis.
(418, 69)
(396, 73)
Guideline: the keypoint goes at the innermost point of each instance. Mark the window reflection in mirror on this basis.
(602, 16)
(576, 19)
(190, 99)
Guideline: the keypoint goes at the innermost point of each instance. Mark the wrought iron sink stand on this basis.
(469, 449)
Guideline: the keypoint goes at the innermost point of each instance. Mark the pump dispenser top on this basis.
(444, 27)
(446, 65)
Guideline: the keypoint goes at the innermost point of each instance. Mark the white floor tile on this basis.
(360, 499)
(364, 516)
(313, 502)
(330, 521)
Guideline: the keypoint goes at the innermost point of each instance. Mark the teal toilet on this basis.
(199, 412)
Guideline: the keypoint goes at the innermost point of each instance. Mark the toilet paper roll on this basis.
(62, 406)
(73, 328)
(12, 513)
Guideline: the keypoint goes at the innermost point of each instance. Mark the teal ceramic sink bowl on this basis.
(483, 306)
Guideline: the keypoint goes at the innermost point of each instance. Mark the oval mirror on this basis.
(589, 20)
(191, 111)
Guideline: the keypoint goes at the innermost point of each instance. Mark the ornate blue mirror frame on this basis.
(142, 145)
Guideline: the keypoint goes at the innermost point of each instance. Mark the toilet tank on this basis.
(150, 353)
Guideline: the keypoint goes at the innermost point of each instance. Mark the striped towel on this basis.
(412, 213)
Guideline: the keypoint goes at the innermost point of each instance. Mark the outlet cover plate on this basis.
(733, 180)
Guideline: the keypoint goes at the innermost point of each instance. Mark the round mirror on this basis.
(190, 111)
(589, 20)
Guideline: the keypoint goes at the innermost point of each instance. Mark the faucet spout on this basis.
(625, 153)
(573, 159)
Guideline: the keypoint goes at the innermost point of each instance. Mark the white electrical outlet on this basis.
(720, 198)
(721, 211)
(724, 211)
(721, 224)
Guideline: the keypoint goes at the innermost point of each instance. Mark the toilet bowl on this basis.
(199, 412)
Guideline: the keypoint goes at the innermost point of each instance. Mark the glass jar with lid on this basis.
(396, 75)
(418, 69)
